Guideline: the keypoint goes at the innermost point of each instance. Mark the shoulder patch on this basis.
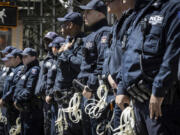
(34, 71)
(103, 39)
(4, 74)
(156, 19)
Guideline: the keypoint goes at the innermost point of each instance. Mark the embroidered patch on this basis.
(23, 77)
(34, 71)
(104, 39)
(48, 64)
(156, 19)
(11, 74)
(89, 45)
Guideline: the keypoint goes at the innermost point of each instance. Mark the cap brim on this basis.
(4, 59)
(3, 51)
(24, 54)
(50, 45)
(62, 19)
(9, 56)
(85, 7)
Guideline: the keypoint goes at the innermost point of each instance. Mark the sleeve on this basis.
(169, 66)
(25, 94)
(100, 39)
(74, 58)
(51, 76)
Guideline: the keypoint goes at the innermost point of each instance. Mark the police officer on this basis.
(93, 53)
(3, 75)
(111, 66)
(15, 59)
(149, 61)
(5, 69)
(50, 81)
(69, 61)
(25, 101)
(42, 81)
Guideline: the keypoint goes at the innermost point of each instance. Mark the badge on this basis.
(48, 64)
(89, 45)
(34, 71)
(11, 74)
(104, 39)
(23, 77)
(53, 67)
(156, 19)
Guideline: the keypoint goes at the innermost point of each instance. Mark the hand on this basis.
(18, 108)
(62, 48)
(86, 93)
(121, 100)
(112, 82)
(68, 45)
(155, 107)
(48, 99)
(1, 103)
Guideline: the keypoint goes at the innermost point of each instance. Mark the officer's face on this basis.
(114, 6)
(90, 17)
(47, 42)
(54, 50)
(27, 59)
(7, 63)
(65, 28)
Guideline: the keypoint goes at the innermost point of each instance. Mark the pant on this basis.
(32, 122)
(54, 113)
(168, 124)
(47, 118)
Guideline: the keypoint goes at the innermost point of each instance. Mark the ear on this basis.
(71, 25)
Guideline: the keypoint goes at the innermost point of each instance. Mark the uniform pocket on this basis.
(151, 44)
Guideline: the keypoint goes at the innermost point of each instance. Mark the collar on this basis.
(97, 25)
(139, 4)
(32, 64)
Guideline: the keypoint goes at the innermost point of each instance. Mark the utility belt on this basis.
(142, 90)
(63, 96)
(34, 104)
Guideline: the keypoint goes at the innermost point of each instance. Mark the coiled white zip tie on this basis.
(16, 129)
(73, 111)
(127, 122)
(3, 119)
(95, 108)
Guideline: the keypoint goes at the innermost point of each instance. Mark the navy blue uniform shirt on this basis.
(154, 35)
(25, 87)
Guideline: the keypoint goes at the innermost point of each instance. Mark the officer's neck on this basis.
(97, 25)
(32, 63)
(18, 63)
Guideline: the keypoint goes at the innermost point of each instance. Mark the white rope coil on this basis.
(16, 129)
(95, 108)
(73, 111)
(3, 119)
(127, 122)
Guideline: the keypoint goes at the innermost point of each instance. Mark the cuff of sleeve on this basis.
(158, 92)
(121, 90)
(92, 83)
